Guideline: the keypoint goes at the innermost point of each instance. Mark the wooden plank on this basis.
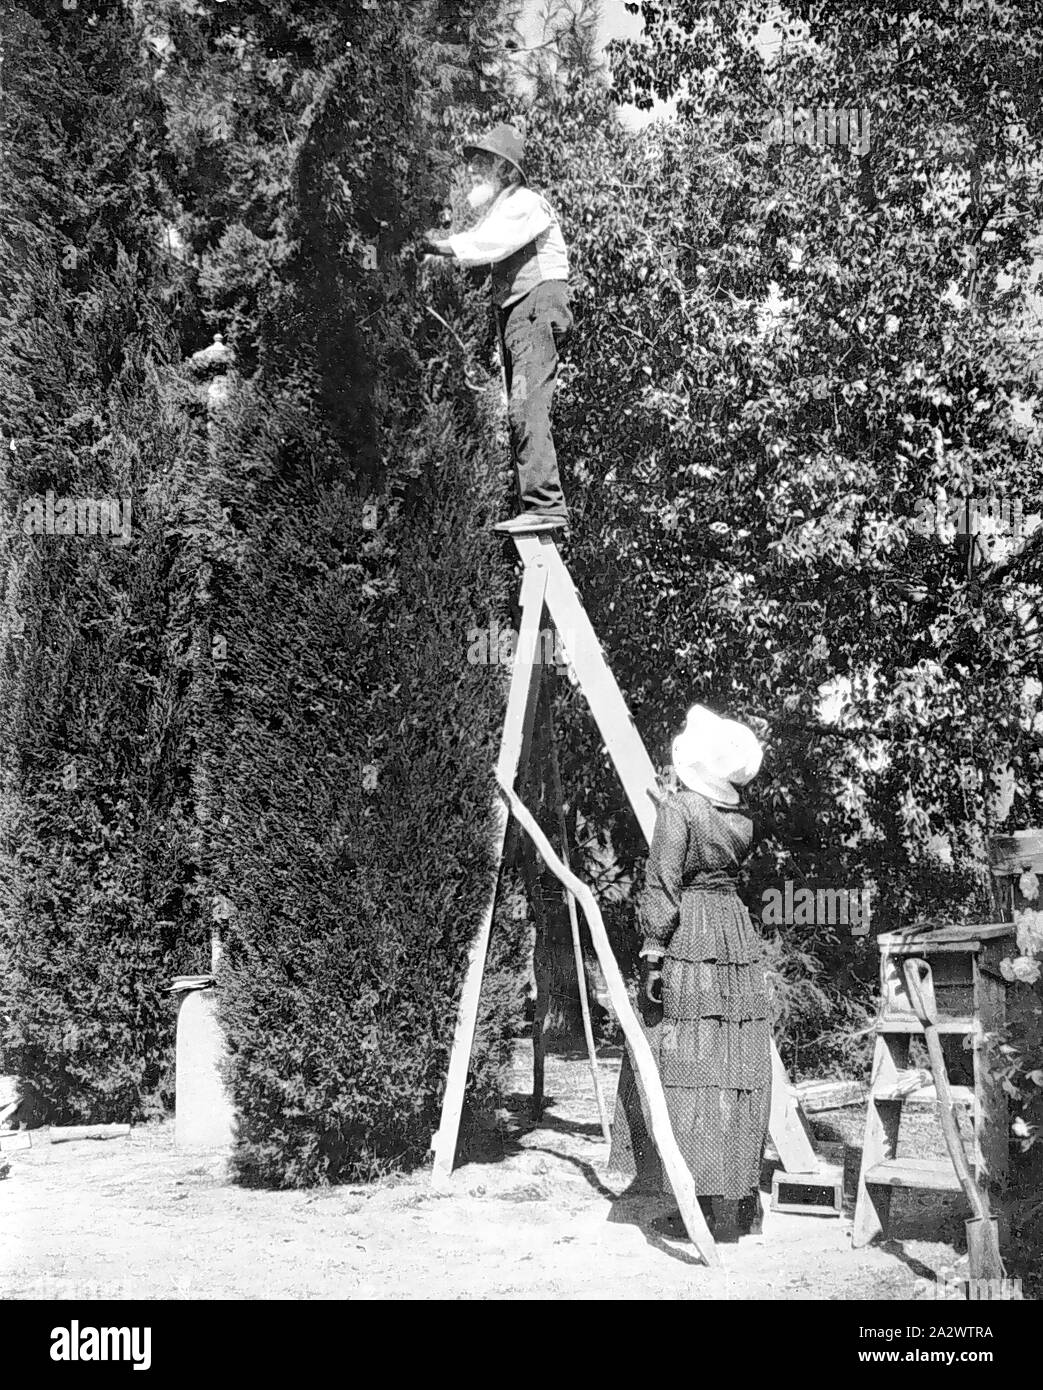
(991, 1118)
(811, 1208)
(916, 946)
(920, 984)
(900, 1023)
(541, 964)
(514, 746)
(787, 1190)
(444, 1140)
(1009, 855)
(969, 936)
(16, 1140)
(71, 1134)
(558, 796)
(787, 1128)
(648, 1073)
(541, 975)
(815, 1096)
(524, 689)
(873, 1204)
(786, 1125)
(827, 1175)
(934, 1174)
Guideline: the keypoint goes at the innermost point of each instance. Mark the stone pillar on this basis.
(204, 1113)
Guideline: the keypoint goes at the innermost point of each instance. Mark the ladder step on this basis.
(908, 1089)
(809, 1194)
(897, 1024)
(935, 1173)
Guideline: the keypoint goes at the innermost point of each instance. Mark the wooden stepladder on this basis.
(547, 584)
(971, 1001)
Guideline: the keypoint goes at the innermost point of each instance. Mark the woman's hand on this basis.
(651, 984)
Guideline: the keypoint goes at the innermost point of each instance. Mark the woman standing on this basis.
(702, 994)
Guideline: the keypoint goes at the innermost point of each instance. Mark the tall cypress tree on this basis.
(96, 871)
(356, 473)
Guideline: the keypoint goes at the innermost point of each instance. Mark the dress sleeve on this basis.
(659, 906)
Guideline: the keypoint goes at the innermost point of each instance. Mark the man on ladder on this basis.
(519, 237)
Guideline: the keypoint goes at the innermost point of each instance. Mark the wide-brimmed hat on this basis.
(715, 756)
(502, 140)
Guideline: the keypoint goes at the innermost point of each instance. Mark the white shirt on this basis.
(518, 220)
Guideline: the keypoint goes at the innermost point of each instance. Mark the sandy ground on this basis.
(135, 1218)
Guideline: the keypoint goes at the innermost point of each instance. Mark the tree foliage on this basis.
(96, 863)
(356, 475)
(789, 360)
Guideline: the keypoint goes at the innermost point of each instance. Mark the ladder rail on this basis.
(583, 650)
(522, 699)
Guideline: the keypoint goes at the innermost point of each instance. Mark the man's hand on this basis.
(435, 244)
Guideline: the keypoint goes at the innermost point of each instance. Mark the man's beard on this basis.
(482, 194)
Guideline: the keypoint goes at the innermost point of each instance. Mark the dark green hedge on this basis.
(96, 856)
(360, 476)
(265, 695)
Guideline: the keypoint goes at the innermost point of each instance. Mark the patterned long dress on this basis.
(711, 1035)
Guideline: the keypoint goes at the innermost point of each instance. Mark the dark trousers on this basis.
(531, 332)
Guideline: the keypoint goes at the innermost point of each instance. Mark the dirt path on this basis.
(135, 1218)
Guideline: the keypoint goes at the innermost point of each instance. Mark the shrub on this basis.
(96, 862)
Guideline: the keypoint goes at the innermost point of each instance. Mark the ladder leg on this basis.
(883, 1117)
(541, 973)
(577, 946)
(787, 1127)
(533, 890)
(990, 1119)
(444, 1140)
(514, 747)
